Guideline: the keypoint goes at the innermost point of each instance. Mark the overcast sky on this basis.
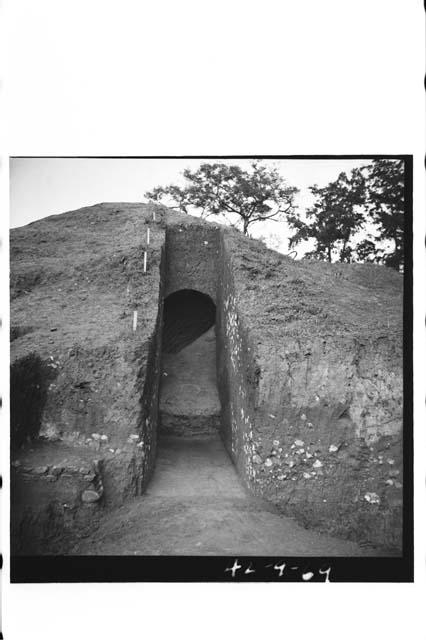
(40, 187)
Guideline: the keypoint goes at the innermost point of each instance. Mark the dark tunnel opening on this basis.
(187, 315)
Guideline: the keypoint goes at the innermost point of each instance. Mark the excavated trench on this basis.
(205, 385)
(189, 399)
(196, 502)
(194, 460)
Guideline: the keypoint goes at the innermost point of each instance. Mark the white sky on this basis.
(40, 187)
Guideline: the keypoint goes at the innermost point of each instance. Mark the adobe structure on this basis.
(307, 365)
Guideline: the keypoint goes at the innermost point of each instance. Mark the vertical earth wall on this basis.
(149, 418)
(192, 258)
(236, 373)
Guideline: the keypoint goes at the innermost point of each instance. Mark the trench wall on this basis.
(313, 402)
(192, 259)
(136, 464)
(236, 373)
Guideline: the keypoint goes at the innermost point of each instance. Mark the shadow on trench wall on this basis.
(29, 381)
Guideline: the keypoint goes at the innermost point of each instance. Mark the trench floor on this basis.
(197, 505)
(188, 382)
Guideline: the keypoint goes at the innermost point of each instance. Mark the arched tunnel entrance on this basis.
(187, 315)
(189, 399)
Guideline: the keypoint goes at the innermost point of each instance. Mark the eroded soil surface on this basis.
(196, 505)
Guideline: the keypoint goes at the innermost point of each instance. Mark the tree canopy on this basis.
(242, 197)
(385, 204)
(357, 217)
(333, 219)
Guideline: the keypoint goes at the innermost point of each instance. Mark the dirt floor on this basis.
(189, 399)
(196, 505)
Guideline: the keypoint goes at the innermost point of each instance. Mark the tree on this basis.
(366, 251)
(334, 218)
(242, 197)
(385, 204)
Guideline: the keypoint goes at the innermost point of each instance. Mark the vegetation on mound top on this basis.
(357, 217)
(241, 197)
(314, 296)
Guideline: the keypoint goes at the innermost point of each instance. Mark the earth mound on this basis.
(308, 371)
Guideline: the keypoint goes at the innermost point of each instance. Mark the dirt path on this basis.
(196, 505)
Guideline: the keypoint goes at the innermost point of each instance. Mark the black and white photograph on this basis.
(215, 370)
(212, 330)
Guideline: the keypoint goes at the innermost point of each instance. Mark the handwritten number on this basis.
(281, 568)
(326, 573)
